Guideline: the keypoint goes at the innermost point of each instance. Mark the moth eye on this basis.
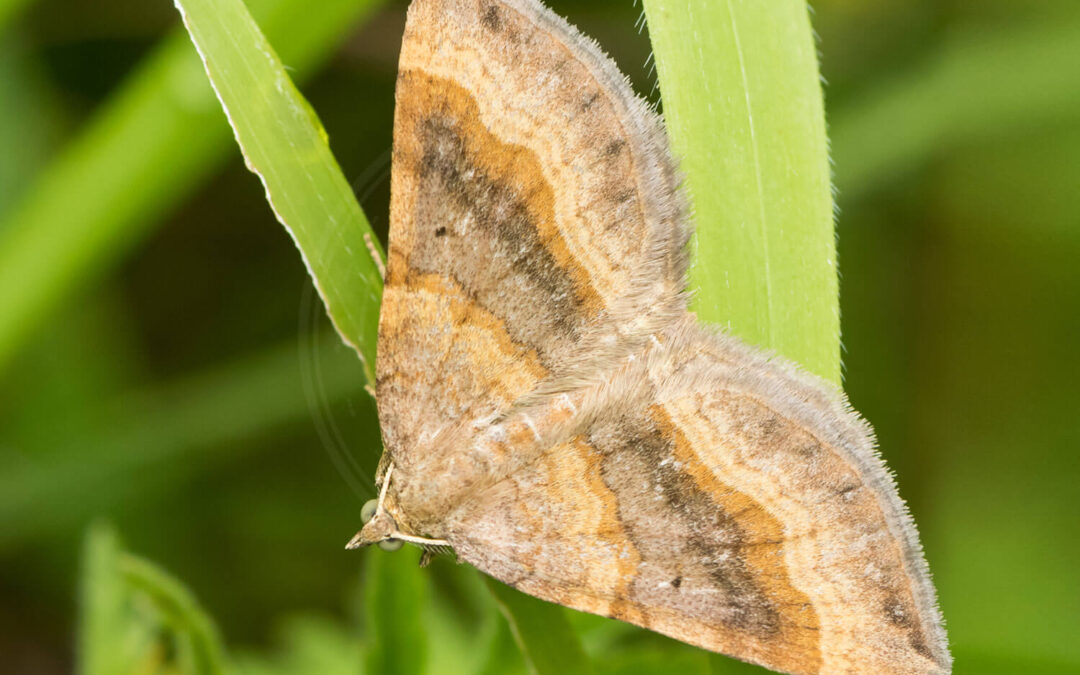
(368, 511)
(391, 544)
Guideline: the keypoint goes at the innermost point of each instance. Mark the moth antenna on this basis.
(385, 485)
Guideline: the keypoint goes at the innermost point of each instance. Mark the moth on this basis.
(554, 414)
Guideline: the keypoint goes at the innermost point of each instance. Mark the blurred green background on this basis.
(165, 366)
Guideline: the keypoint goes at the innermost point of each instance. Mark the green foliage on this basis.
(145, 150)
(286, 146)
(542, 632)
(396, 592)
(136, 618)
(309, 644)
(743, 105)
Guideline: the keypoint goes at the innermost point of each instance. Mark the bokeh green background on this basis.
(177, 378)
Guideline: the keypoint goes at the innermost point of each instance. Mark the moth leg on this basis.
(431, 551)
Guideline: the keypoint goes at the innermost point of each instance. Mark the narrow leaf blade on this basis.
(546, 639)
(145, 149)
(180, 611)
(101, 610)
(744, 109)
(284, 144)
(396, 589)
(133, 613)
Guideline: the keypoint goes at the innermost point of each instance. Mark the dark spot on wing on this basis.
(614, 148)
(764, 426)
(845, 490)
(490, 19)
(896, 612)
(902, 616)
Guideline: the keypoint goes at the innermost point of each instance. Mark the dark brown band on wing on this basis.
(709, 552)
(763, 552)
(756, 425)
(483, 214)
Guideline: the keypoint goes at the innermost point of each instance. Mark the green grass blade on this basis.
(307, 644)
(284, 144)
(127, 603)
(101, 610)
(93, 202)
(147, 148)
(395, 591)
(545, 637)
(200, 646)
(743, 105)
(503, 656)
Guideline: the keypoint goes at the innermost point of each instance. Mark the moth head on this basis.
(379, 528)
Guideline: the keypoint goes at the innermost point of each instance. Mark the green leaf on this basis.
(136, 618)
(146, 148)
(541, 630)
(503, 655)
(198, 645)
(743, 105)
(461, 621)
(309, 644)
(284, 143)
(103, 647)
(395, 590)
